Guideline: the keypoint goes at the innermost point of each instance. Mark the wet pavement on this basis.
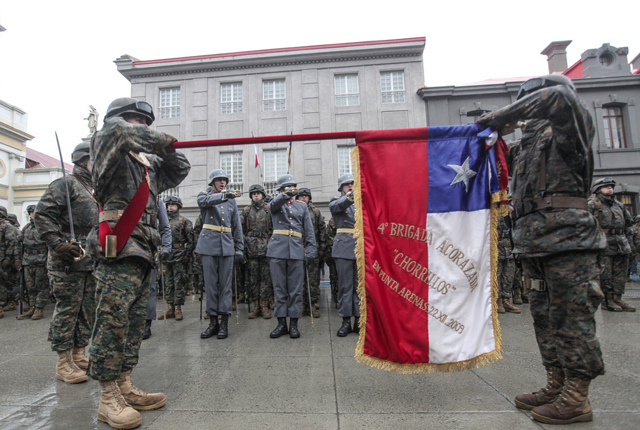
(252, 381)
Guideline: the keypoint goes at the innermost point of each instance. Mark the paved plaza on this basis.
(250, 381)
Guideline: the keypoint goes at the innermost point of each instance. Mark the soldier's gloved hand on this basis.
(291, 191)
(491, 119)
(164, 254)
(18, 265)
(68, 251)
(228, 194)
(237, 259)
(6, 264)
(307, 260)
(350, 195)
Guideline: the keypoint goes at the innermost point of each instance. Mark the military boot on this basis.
(294, 333)
(571, 406)
(178, 313)
(266, 313)
(356, 325)
(114, 409)
(500, 307)
(147, 330)
(555, 381)
(223, 332)
(506, 303)
(517, 296)
(256, 312)
(213, 328)
(315, 312)
(280, 329)
(137, 398)
(11, 306)
(28, 314)
(169, 313)
(345, 328)
(609, 305)
(316, 306)
(38, 314)
(617, 299)
(79, 358)
(66, 369)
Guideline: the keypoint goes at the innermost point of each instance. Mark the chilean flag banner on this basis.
(427, 202)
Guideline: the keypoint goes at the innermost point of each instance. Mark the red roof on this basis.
(36, 159)
(575, 71)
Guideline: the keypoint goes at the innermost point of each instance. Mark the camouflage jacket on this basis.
(120, 152)
(52, 217)
(8, 240)
(181, 237)
(612, 215)
(257, 228)
(320, 228)
(504, 240)
(331, 231)
(560, 129)
(635, 245)
(34, 249)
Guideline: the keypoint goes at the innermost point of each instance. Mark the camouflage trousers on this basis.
(259, 275)
(75, 310)
(198, 276)
(36, 283)
(614, 273)
(123, 294)
(313, 269)
(174, 283)
(4, 295)
(564, 314)
(506, 273)
(237, 282)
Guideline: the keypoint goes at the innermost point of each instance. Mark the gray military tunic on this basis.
(217, 248)
(165, 234)
(287, 253)
(344, 254)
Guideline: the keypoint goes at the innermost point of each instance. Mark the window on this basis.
(273, 95)
(614, 128)
(231, 162)
(347, 93)
(231, 98)
(392, 87)
(344, 159)
(170, 103)
(275, 164)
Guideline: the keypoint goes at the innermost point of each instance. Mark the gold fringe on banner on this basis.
(459, 366)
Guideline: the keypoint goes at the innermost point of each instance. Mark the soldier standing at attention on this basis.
(617, 225)
(34, 260)
(219, 245)
(175, 277)
(344, 254)
(7, 239)
(558, 240)
(15, 254)
(131, 166)
(70, 270)
(292, 245)
(506, 266)
(257, 229)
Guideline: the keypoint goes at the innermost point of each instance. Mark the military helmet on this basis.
(257, 188)
(14, 219)
(173, 200)
(344, 179)
(602, 182)
(31, 208)
(304, 192)
(535, 84)
(3, 212)
(217, 173)
(286, 181)
(123, 105)
(79, 152)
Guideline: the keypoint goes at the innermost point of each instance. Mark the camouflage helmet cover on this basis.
(80, 151)
(344, 179)
(123, 105)
(304, 192)
(257, 188)
(535, 84)
(14, 219)
(3, 212)
(173, 200)
(286, 181)
(602, 182)
(217, 173)
(31, 208)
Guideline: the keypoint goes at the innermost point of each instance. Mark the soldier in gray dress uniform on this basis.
(292, 233)
(219, 243)
(344, 254)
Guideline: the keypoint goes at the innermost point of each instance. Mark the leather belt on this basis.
(115, 214)
(81, 231)
(611, 231)
(550, 202)
(345, 230)
(253, 234)
(287, 233)
(219, 228)
(179, 245)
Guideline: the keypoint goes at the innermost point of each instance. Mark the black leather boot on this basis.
(281, 329)
(356, 324)
(224, 327)
(147, 330)
(213, 328)
(293, 328)
(345, 328)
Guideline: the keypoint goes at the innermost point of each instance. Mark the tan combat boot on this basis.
(571, 406)
(509, 307)
(517, 296)
(138, 399)
(66, 369)
(266, 313)
(27, 315)
(11, 306)
(500, 307)
(114, 410)
(256, 312)
(609, 305)
(79, 358)
(38, 314)
(555, 381)
(178, 313)
(315, 310)
(617, 299)
(169, 313)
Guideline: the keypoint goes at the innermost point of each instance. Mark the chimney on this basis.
(556, 53)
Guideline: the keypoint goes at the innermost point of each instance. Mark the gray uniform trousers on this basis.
(287, 276)
(218, 273)
(348, 300)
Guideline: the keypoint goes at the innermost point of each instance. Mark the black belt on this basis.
(35, 251)
(551, 202)
(253, 234)
(612, 231)
(82, 231)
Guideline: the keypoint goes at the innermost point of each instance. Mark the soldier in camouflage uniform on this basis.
(333, 271)
(257, 229)
(126, 153)
(506, 266)
(182, 244)
(70, 270)
(617, 225)
(7, 244)
(34, 260)
(313, 268)
(13, 273)
(558, 241)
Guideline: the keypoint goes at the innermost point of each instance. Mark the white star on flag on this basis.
(463, 174)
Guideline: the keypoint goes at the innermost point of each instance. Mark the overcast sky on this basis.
(57, 56)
